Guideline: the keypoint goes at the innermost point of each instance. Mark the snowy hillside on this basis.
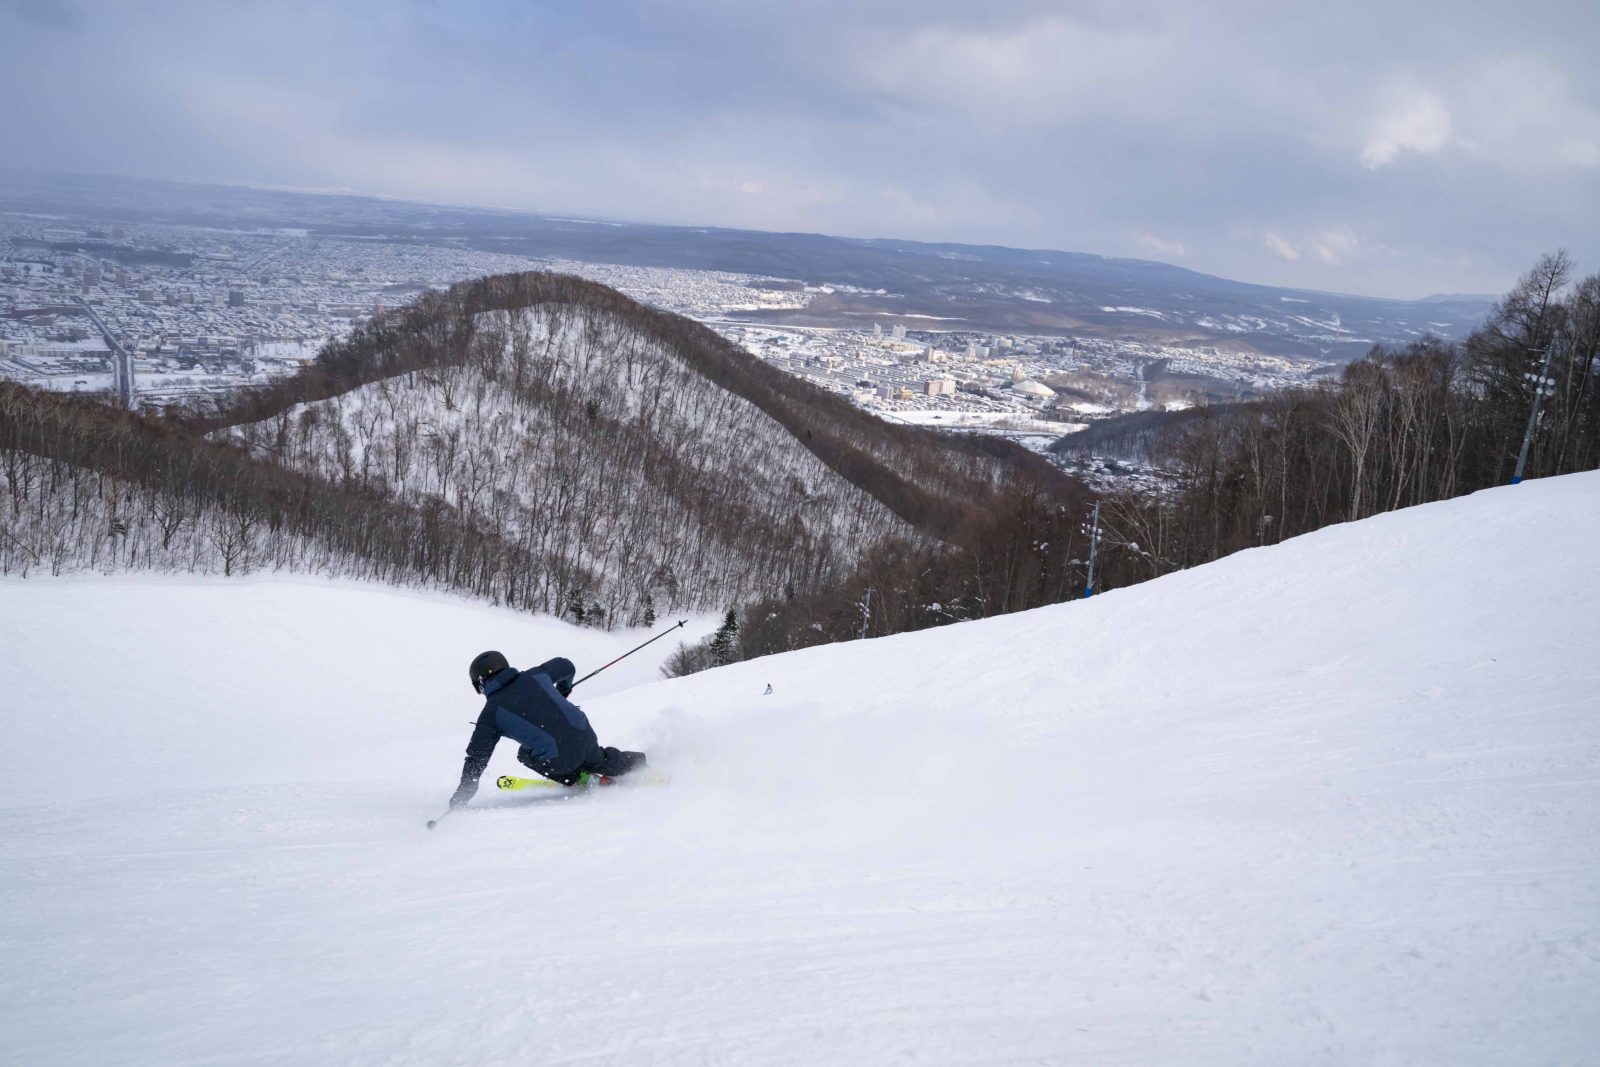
(1336, 801)
(632, 479)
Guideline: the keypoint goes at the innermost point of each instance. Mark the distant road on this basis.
(123, 359)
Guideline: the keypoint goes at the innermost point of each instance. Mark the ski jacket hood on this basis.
(499, 680)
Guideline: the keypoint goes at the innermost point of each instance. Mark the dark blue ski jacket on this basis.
(527, 706)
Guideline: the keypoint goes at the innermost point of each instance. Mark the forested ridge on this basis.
(939, 483)
(637, 483)
(1403, 426)
(544, 442)
(534, 439)
(1409, 425)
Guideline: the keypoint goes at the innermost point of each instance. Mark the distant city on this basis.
(198, 312)
(157, 312)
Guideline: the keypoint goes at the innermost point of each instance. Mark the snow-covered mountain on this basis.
(630, 478)
(535, 440)
(1333, 801)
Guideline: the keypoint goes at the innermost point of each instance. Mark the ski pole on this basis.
(628, 653)
(435, 822)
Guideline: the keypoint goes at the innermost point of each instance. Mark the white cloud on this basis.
(1419, 122)
(1144, 128)
(730, 183)
(1160, 245)
(1522, 114)
(1333, 246)
(1042, 72)
(1282, 247)
(1581, 152)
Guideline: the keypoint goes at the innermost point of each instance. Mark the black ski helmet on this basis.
(486, 666)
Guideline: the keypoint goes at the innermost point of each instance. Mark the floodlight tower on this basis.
(1094, 547)
(1543, 386)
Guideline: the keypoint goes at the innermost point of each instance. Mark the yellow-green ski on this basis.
(511, 782)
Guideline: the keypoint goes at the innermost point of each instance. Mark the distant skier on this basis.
(531, 708)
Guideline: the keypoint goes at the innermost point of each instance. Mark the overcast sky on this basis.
(1393, 149)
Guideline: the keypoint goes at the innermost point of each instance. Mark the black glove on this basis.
(564, 688)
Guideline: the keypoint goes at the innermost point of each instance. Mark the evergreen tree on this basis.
(725, 642)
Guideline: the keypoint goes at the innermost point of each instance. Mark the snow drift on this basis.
(1329, 802)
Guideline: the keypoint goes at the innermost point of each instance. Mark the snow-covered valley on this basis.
(1336, 801)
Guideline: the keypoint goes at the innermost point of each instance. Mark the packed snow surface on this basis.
(1332, 802)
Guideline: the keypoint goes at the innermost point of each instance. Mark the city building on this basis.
(1033, 390)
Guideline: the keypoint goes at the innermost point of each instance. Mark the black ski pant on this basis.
(609, 762)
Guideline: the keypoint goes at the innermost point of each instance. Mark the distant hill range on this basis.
(950, 286)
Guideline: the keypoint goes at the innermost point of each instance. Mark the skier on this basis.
(531, 707)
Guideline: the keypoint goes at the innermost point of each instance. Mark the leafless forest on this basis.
(638, 484)
(1400, 427)
(544, 442)
(533, 439)
(1403, 426)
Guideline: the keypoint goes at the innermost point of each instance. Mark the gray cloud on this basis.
(1391, 152)
(56, 13)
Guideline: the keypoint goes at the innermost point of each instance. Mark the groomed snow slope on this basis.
(1336, 801)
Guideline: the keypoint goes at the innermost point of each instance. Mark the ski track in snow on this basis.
(1330, 802)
